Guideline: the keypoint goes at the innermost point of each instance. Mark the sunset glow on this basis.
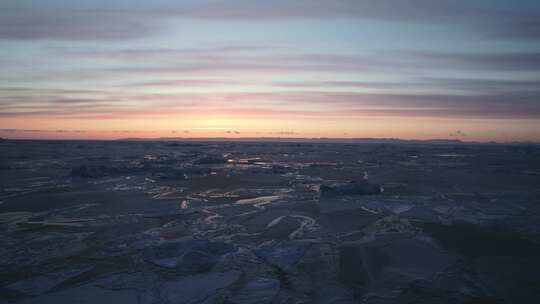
(302, 69)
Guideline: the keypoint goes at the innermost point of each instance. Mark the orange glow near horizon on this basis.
(298, 70)
(216, 126)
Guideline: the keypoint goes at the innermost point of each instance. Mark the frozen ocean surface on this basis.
(256, 222)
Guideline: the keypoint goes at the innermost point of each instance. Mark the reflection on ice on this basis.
(259, 202)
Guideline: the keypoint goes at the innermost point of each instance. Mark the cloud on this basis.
(184, 83)
(514, 22)
(114, 20)
(288, 103)
(501, 61)
(478, 85)
(128, 131)
(214, 67)
(457, 133)
(128, 54)
(67, 20)
(381, 62)
(41, 131)
(284, 133)
(481, 84)
(503, 95)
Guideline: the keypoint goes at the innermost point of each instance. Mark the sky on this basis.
(411, 69)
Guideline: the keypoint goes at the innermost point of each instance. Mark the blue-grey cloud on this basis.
(99, 19)
(69, 20)
(478, 85)
(502, 61)
(383, 60)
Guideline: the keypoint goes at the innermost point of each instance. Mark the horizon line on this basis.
(279, 139)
